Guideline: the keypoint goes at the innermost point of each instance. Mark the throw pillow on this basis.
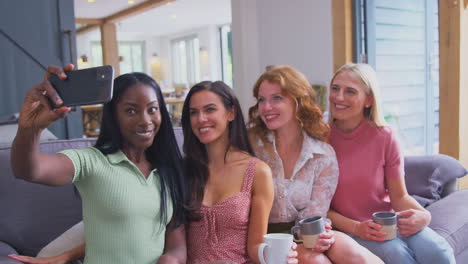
(425, 176)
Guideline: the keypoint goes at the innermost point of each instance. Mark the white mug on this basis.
(275, 248)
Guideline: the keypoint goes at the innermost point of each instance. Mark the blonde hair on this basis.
(367, 76)
(295, 85)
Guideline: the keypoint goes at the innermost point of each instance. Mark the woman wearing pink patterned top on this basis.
(288, 133)
(231, 191)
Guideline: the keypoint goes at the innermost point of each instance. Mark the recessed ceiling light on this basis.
(90, 1)
(131, 2)
(173, 16)
(168, 3)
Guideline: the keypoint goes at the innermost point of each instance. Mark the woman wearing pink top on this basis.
(287, 132)
(372, 177)
(231, 190)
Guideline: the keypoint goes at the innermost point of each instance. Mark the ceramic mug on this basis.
(309, 230)
(275, 248)
(388, 221)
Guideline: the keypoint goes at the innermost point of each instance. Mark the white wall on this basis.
(272, 32)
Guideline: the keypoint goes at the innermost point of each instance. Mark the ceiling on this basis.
(178, 16)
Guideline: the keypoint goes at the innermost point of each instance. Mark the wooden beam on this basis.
(342, 17)
(110, 47)
(135, 10)
(86, 29)
(453, 75)
(89, 21)
(116, 17)
(466, 3)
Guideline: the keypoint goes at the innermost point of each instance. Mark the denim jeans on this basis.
(426, 246)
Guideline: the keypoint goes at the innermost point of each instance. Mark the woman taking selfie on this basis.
(372, 176)
(130, 181)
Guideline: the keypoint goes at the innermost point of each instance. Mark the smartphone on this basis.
(85, 87)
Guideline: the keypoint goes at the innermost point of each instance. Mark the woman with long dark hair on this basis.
(231, 191)
(131, 182)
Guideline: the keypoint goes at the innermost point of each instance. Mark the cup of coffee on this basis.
(275, 248)
(309, 230)
(388, 221)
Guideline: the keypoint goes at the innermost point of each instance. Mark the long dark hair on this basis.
(163, 154)
(196, 158)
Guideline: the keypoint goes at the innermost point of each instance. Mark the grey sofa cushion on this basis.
(8, 133)
(450, 220)
(426, 176)
(32, 214)
(6, 250)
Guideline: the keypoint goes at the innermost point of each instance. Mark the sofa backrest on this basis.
(32, 214)
(179, 134)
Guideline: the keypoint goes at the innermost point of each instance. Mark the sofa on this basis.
(32, 215)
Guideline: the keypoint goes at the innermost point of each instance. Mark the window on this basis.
(400, 39)
(226, 54)
(131, 57)
(130, 52)
(186, 61)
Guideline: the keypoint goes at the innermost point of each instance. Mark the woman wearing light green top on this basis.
(130, 182)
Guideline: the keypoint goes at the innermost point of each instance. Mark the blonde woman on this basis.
(372, 177)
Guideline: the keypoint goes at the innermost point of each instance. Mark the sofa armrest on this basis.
(449, 187)
(6, 250)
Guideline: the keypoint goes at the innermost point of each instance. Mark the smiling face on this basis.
(209, 118)
(138, 116)
(348, 100)
(276, 109)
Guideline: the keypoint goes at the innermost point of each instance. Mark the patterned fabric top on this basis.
(221, 234)
(311, 187)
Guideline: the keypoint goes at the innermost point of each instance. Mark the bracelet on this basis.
(354, 228)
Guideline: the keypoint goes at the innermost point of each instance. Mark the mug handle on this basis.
(296, 231)
(261, 250)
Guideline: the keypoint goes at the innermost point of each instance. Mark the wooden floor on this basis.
(463, 183)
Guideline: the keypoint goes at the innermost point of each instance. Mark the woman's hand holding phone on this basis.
(36, 112)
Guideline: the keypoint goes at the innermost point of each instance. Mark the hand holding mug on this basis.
(276, 248)
(368, 230)
(412, 221)
(292, 256)
(326, 239)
